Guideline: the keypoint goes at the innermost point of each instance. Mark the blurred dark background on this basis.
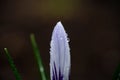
(92, 26)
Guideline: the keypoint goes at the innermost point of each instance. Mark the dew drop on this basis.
(61, 38)
(67, 68)
(68, 39)
(41, 69)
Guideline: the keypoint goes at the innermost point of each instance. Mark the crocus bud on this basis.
(59, 54)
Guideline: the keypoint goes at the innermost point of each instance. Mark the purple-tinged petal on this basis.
(59, 54)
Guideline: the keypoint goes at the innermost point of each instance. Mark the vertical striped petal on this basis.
(59, 54)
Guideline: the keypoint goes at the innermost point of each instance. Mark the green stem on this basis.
(12, 65)
(37, 56)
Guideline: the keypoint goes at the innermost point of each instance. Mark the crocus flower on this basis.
(59, 54)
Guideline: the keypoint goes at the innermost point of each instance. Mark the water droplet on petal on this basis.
(61, 38)
(68, 39)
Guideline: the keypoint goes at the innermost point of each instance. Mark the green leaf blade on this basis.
(12, 65)
(37, 56)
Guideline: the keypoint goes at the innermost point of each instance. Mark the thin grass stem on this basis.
(12, 65)
(37, 56)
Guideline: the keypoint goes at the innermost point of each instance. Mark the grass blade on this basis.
(12, 65)
(37, 56)
(116, 75)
